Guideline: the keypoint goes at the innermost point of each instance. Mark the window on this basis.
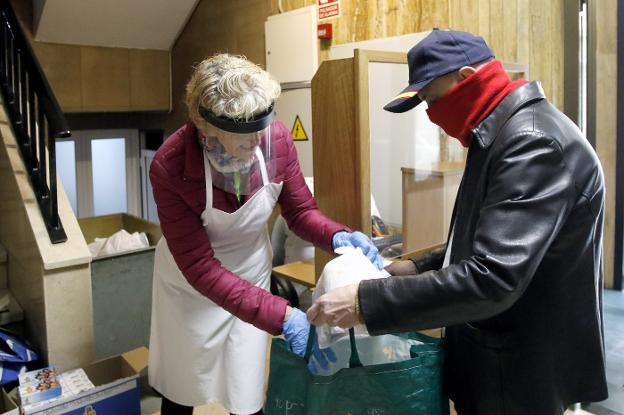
(100, 171)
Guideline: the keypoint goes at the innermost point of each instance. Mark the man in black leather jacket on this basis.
(519, 287)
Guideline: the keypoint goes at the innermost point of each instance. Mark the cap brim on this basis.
(406, 99)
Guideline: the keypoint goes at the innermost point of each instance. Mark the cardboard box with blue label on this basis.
(113, 388)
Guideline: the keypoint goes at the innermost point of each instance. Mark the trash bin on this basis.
(121, 285)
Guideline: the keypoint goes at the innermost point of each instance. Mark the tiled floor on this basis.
(614, 346)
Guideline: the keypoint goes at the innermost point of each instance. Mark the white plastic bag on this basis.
(120, 241)
(350, 267)
(372, 350)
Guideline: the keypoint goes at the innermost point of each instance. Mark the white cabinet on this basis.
(292, 45)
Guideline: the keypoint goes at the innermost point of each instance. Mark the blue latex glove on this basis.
(296, 331)
(358, 240)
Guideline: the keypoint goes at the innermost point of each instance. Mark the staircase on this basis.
(34, 114)
(44, 260)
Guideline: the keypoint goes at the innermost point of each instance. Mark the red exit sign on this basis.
(328, 9)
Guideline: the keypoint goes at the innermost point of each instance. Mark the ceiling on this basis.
(140, 24)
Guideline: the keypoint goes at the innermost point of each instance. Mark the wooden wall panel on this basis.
(376, 13)
(353, 25)
(557, 57)
(606, 118)
(105, 78)
(523, 33)
(61, 64)
(96, 79)
(484, 19)
(395, 19)
(464, 15)
(497, 22)
(149, 79)
(509, 32)
(540, 44)
(429, 14)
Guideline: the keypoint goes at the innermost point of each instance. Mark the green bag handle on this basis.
(308, 351)
(354, 360)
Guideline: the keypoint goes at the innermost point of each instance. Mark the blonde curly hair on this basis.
(230, 86)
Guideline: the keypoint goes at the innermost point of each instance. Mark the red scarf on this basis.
(472, 100)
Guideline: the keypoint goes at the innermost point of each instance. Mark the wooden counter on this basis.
(299, 272)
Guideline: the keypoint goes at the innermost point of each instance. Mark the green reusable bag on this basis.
(413, 386)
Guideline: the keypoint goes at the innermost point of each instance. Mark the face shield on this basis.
(240, 152)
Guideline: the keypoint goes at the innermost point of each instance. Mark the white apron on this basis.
(199, 352)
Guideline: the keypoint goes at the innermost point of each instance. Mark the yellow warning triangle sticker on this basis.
(298, 132)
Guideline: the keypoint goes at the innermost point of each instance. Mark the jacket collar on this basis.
(193, 155)
(485, 133)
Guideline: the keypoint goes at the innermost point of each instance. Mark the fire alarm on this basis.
(324, 31)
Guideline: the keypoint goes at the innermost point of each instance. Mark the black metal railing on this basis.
(34, 113)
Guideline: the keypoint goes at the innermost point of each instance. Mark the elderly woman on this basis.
(216, 181)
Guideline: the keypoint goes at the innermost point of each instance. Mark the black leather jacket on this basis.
(522, 297)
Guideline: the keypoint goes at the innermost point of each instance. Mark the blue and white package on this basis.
(37, 375)
(40, 390)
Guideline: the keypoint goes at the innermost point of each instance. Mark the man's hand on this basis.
(406, 267)
(335, 308)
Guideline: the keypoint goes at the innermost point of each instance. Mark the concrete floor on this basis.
(614, 347)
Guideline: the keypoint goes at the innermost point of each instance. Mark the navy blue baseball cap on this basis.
(440, 53)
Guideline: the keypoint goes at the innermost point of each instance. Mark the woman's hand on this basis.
(296, 330)
(358, 240)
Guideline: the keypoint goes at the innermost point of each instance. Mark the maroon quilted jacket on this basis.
(177, 176)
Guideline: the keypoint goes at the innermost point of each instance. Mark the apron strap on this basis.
(263, 169)
(208, 174)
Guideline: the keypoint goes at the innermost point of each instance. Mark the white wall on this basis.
(298, 102)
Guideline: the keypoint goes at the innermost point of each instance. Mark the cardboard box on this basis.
(116, 391)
